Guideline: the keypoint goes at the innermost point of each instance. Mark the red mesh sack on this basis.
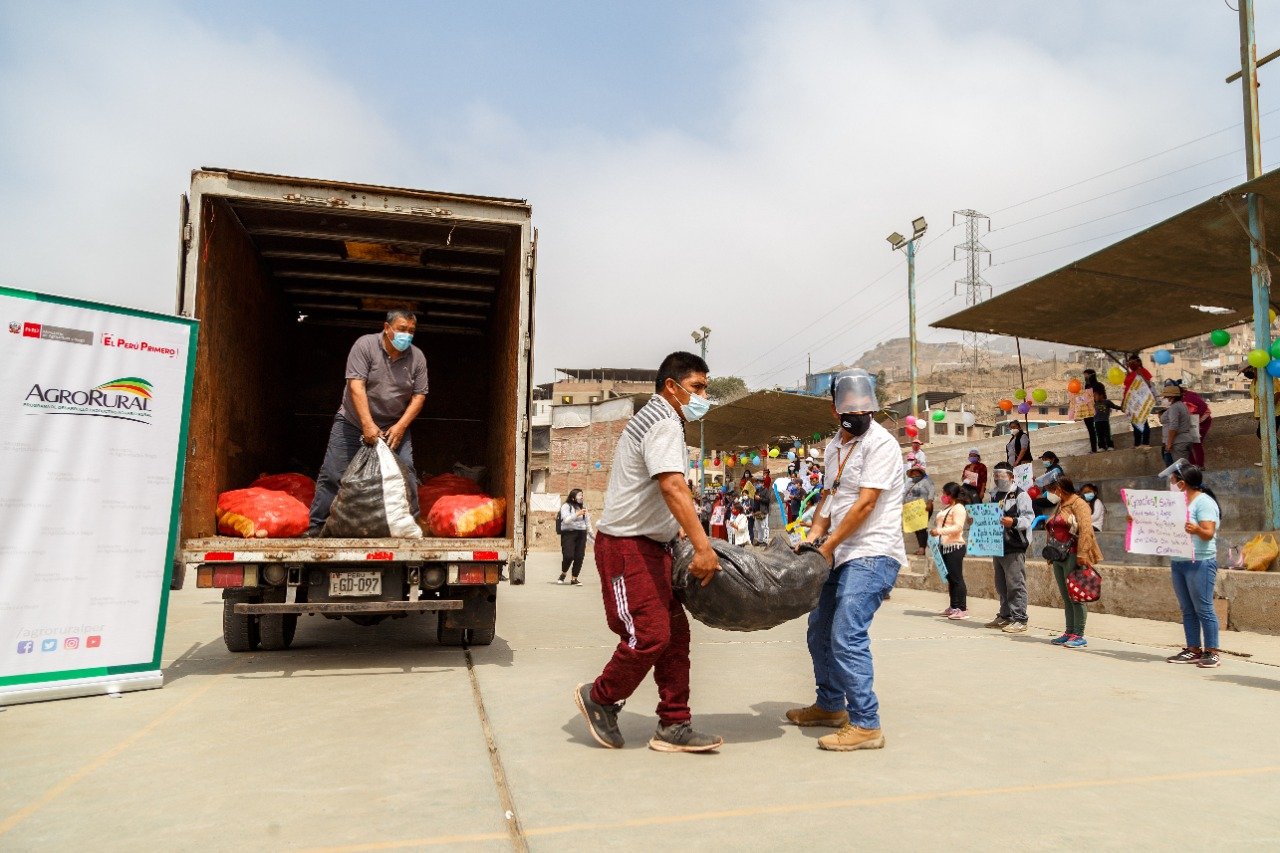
(438, 487)
(468, 516)
(300, 486)
(261, 514)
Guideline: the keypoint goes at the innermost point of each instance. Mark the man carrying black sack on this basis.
(1011, 569)
(859, 526)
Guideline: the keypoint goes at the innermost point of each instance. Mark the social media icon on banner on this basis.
(92, 642)
(71, 643)
(48, 645)
(26, 647)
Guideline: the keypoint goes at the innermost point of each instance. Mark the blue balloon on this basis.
(1162, 356)
(791, 455)
(1273, 368)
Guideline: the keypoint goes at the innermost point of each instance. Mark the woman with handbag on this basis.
(1193, 579)
(575, 524)
(949, 528)
(1070, 547)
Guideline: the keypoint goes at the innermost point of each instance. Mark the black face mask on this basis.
(856, 425)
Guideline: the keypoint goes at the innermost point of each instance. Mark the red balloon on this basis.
(1033, 492)
(912, 431)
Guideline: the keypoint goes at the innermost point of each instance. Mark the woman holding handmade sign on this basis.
(1069, 544)
(918, 494)
(949, 528)
(1193, 579)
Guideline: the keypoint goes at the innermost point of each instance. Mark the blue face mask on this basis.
(696, 408)
(401, 340)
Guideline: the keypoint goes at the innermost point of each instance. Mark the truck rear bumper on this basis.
(350, 607)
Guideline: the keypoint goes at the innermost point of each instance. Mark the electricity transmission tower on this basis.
(975, 287)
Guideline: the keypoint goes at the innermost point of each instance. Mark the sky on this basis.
(735, 165)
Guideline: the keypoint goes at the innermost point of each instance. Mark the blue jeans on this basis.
(839, 642)
(345, 438)
(1193, 584)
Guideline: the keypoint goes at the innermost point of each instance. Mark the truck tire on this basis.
(481, 636)
(276, 630)
(450, 636)
(179, 575)
(239, 630)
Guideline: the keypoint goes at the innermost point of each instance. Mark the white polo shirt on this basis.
(873, 461)
(651, 444)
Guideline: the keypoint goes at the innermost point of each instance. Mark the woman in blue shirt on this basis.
(1193, 579)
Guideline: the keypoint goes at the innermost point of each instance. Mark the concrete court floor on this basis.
(372, 739)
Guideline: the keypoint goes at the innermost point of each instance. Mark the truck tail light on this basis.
(471, 574)
(227, 576)
(476, 573)
(492, 573)
(204, 577)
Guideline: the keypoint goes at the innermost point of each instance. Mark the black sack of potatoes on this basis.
(755, 589)
(373, 498)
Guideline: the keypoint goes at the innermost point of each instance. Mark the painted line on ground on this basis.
(832, 805)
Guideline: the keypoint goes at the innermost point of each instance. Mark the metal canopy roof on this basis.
(760, 417)
(1140, 292)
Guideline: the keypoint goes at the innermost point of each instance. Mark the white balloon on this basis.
(969, 419)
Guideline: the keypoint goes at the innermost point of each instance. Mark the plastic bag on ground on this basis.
(373, 498)
(471, 472)
(755, 589)
(300, 486)
(438, 487)
(468, 516)
(261, 514)
(1260, 552)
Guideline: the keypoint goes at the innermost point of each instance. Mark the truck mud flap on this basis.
(477, 609)
(351, 607)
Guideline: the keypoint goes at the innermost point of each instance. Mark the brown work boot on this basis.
(852, 737)
(815, 716)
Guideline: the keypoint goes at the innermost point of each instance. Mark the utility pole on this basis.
(1259, 272)
(700, 337)
(897, 241)
(975, 287)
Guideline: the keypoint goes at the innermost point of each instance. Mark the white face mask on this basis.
(1053, 497)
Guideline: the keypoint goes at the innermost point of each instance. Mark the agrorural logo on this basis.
(127, 398)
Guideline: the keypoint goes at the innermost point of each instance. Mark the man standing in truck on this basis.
(645, 507)
(386, 388)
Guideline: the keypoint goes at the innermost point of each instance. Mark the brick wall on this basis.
(574, 454)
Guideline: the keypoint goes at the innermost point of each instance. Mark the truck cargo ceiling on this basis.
(345, 267)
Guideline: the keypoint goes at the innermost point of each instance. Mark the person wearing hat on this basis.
(916, 456)
(1176, 420)
(1052, 469)
(1201, 420)
(859, 530)
(919, 488)
(1016, 515)
(974, 476)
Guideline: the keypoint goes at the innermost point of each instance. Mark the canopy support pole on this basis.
(1022, 378)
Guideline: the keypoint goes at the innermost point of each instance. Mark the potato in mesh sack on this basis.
(373, 498)
(754, 590)
(257, 513)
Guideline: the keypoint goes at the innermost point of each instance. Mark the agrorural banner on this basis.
(94, 402)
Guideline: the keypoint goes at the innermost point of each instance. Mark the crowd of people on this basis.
(741, 512)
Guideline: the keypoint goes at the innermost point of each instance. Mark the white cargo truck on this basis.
(283, 275)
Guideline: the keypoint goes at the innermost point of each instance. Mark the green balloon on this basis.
(1039, 395)
(1275, 349)
(1020, 394)
(1220, 337)
(1259, 358)
(938, 416)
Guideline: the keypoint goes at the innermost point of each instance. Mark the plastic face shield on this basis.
(854, 391)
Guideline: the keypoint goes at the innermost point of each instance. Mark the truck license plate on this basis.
(342, 584)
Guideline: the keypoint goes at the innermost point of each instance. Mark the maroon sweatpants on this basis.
(635, 577)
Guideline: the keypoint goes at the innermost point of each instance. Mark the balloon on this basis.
(1271, 314)
(1162, 356)
(940, 415)
(1074, 386)
(796, 444)
(1115, 376)
(1024, 407)
(817, 436)
(1220, 337)
(1275, 349)
(791, 455)
(969, 419)
(910, 420)
(1040, 395)
(1006, 405)
(599, 466)
(1033, 492)
(1259, 357)
(911, 431)
(755, 460)
(1273, 368)
(1020, 394)
(774, 452)
(716, 462)
(813, 453)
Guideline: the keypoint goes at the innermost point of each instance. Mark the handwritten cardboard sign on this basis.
(915, 516)
(1138, 401)
(1157, 522)
(1024, 476)
(986, 533)
(935, 551)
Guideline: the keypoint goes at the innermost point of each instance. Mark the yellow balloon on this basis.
(1115, 376)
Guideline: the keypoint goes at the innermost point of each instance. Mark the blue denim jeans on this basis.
(1193, 584)
(345, 438)
(839, 642)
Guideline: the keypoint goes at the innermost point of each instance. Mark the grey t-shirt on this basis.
(390, 385)
(651, 444)
(1177, 423)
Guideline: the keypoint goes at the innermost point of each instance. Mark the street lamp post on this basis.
(700, 337)
(897, 241)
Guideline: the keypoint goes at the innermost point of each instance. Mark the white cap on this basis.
(854, 391)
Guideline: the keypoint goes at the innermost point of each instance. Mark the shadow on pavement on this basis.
(1248, 681)
(766, 723)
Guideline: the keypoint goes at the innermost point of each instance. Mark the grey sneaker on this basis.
(1185, 656)
(602, 720)
(998, 622)
(1015, 628)
(1209, 660)
(680, 737)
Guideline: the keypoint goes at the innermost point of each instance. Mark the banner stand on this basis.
(106, 685)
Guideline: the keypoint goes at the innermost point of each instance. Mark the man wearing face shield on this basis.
(386, 389)
(859, 528)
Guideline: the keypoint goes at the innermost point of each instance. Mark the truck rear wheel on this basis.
(481, 636)
(277, 630)
(450, 636)
(239, 630)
